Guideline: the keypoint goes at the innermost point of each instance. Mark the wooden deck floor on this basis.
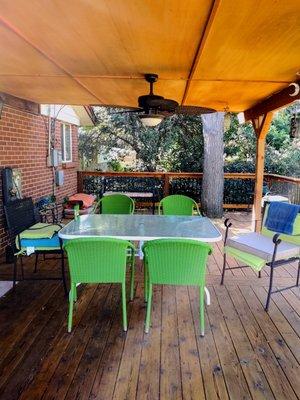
(246, 353)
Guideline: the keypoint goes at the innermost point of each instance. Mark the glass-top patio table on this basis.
(141, 227)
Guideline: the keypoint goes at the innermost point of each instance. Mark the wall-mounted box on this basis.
(54, 159)
(59, 178)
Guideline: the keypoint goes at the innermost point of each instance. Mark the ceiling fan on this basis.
(152, 109)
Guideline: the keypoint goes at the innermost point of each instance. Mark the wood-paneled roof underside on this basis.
(221, 54)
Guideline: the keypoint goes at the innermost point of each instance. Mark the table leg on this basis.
(207, 294)
(140, 252)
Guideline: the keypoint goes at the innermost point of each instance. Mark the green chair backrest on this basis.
(177, 204)
(294, 238)
(176, 261)
(96, 260)
(116, 204)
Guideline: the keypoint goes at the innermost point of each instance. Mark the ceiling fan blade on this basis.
(193, 110)
(155, 104)
(116, 106)
(147, 100)
(116, 109)
(163, 104)
(138, 110)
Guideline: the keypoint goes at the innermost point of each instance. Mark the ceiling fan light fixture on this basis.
(151, 120)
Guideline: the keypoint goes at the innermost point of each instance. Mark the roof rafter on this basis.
(49, 58)
(272, 103)
(206, 31)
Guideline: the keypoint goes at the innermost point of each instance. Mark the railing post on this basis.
(79, 182)
(166, 185)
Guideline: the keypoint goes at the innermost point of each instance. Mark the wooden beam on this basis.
(261, 124)
(272, 103)
(171, 175)
(207, 29)
(225, 206)
(261, 128)
(91, 114)
(78, 82)
(282, 178)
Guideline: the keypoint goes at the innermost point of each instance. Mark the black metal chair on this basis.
(21, 215)
(263, 249)
(48, 210)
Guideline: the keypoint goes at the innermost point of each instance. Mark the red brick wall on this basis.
(23, 145)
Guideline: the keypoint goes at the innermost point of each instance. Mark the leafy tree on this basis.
(279, 134)
(115, 165)
(186, 145)
(172, 145)
(282, 152)
(239, 142)
(177, 143)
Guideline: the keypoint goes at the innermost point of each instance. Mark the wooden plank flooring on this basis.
(246, 353)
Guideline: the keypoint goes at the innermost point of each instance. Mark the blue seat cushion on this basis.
(43, 243)
(40, 236)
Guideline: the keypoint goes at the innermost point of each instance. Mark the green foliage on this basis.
(177, 143)
(170, 146)
(186, 147)
(239, 143)
(282, 152)
(279, 134)
(115, 165)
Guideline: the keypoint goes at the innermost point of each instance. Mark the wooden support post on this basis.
(261, 116)
(259, 178)
(261, 126)
(166, 185)
(79, 182)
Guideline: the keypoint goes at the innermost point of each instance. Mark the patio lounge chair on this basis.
(99, 260)
(175, 262)
(265, 248)
(27, 235)
(178, 204)
(116, 204)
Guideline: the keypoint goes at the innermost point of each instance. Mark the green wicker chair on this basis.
(99, 260)
(116, 204)
(175, 262)
(177, 204)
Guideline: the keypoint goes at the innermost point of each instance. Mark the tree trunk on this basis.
(213, 165)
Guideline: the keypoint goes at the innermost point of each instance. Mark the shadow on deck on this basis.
(246, 353)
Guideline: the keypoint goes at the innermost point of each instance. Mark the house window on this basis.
(66, 143)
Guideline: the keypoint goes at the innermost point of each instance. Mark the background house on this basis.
(24, 144)
(116, 159)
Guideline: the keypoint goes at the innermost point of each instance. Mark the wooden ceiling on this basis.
(220, 54)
